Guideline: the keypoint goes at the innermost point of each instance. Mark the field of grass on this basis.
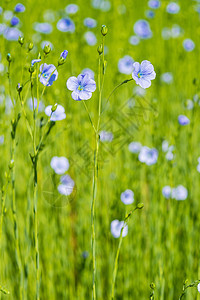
(56, 246)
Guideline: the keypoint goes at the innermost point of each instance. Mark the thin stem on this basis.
(89, 116)
(123, 82)
(118, 251)
(9, 82)
(17, 251)
(35, 194)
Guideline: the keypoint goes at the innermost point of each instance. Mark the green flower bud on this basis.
(54, 107)
(104, 30)
(30, 46)
(19, 88)
(152, 286)
(140, 205)
(9, 57)
(32, 69)
(11, 164)
(21, 40)
(61, 61)
(100, 49)
(47, 49)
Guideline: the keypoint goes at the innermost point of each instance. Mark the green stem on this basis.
(123, 82)
(35, 194)
(118, 251)
(95, 177)
(89, 116)
(17, 250)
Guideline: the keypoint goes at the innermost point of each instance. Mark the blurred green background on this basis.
(163, 241)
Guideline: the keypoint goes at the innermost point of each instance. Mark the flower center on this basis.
(80, 88)
(139, 75)
(45, 75)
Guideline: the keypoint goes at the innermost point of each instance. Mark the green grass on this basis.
(163, 242)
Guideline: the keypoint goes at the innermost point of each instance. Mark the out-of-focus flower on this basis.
(45, 28)
(188, 45)
(150, 14)
(166, 33)
(176, 31)
(66, 25)
(127, 197)
(189, 104)
(167, 77)
(106, 136)
(57, 115)
(148, 156)
(89, 72)
(154, 4)
(125, 65)
(67, 185)
(30, 104)
(198, 287)
(48, 74)
(19, 8)
(59, 164)
(14, 21)
(90, 23)
(143, 73)
(142, 29)
(12, 34)
(82, 87)
(1, 139)
(71, 9)
(183, 120)
(179, 193)
(166, 191)
(173, 8)
(116, 227)
(134, 147)
(90, 38)
(134, 40)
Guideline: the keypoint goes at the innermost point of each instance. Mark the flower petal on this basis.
(72, 83)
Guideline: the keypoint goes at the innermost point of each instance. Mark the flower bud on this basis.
(100, 49)
(140, 205)
(61, 61)
(9, 57)
(30, 46)
(21, 40)
(47, 49)
(152, 286)
(11, 164)
(19, 87)
(32, 69)
(54, 107)
(104, 30)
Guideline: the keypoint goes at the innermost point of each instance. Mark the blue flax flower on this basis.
(143, 73)
(59, 164)
(66, 25)
(81, 87)
(64, 54)
(116, 227)
(142, 29)
(57, 115)
(19, 7)
(183, 120)
(127, 197)
(48, 74)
